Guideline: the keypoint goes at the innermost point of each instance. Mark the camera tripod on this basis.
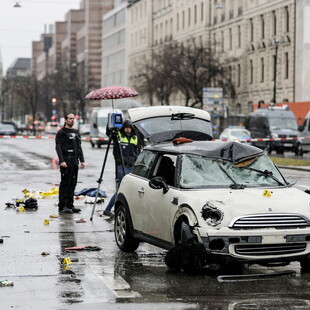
(113, 136)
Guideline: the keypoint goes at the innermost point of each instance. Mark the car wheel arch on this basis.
(122, 201)
(184, 214)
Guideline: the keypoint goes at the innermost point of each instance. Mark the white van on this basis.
(304, 144)
(98, 125)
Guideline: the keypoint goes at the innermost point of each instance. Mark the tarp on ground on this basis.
(91, 192)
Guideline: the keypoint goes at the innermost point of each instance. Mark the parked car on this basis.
(98, 125)
(274, 123)
(303, 145)
(235, 133)
(52, 127)
(84, 129)
(208, 202)
(7, 129)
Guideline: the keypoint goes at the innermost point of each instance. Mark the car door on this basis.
(158, 205)
(134, 185)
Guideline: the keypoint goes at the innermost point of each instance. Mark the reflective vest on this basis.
(130, 150)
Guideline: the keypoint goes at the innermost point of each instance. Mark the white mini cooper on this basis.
(208, 202)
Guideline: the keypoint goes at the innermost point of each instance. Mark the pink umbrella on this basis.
(111, 92)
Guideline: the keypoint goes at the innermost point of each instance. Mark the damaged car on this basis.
(209, 202)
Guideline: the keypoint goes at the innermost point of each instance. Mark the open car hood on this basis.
(165, 123)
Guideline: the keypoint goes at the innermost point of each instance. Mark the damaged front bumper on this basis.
(257, 248)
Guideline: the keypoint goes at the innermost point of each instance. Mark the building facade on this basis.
(258, 34)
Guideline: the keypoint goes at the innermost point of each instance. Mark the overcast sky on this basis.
(20, 26)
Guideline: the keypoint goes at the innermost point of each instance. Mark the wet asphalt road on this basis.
(108, 279)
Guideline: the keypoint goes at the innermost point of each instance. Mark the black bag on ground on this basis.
(31, 203)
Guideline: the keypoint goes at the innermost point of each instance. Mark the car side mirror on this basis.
(158, 183)
(300, 128)
(95, 125)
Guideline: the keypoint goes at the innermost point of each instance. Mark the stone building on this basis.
(258, 34)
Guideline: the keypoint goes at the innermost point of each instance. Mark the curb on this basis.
(299, 168)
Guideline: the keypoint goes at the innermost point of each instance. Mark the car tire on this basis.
(92, 144)
(187, 254)
(122, 233)
(299, 150)
(305, 265)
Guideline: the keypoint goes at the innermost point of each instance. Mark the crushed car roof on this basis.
(230, 150)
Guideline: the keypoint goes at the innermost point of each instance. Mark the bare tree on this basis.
(187, 69)
(28, 88)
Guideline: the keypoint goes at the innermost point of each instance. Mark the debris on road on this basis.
(80, 221)
(6, 283)
(84, 248)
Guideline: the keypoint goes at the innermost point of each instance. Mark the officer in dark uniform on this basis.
(130, 147)
(69, 151)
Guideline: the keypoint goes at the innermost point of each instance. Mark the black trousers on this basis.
(67, 186)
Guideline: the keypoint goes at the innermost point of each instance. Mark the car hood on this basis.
(237, 203)
(165, 123)
(286, 132)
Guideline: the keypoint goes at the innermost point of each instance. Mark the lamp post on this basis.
(276, 42)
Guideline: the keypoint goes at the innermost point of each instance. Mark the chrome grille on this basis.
(287, 221)
(269, 249)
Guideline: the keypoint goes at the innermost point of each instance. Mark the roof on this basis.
(226, 150)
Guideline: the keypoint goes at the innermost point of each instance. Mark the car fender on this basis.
(185, 211)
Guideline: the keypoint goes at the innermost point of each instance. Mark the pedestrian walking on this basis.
(70, 154)
(130, 146)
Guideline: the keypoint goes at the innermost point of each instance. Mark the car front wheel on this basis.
(122, 233)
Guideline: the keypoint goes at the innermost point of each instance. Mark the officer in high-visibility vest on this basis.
(130, 147)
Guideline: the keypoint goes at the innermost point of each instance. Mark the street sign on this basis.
(213, 100)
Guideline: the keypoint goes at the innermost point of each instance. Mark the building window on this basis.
(183, 19)
(189, 17)
(230, 38)
(238, 108)
(262, 26)
(286, 66)
(262, 70)
(214, 42)
(251, 71)
(251, 30)
(250, 106)
(178, 21)
(195, 14)
(201, 11)
(239, 75)
(274, 22)
(287, 19)
(239, 36)
(222, 40)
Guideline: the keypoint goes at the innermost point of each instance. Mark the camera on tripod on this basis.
(115, 121)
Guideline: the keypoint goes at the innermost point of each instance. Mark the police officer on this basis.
(69, 151)
(130, 147)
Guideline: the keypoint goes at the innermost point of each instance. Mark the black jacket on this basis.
(68, 146)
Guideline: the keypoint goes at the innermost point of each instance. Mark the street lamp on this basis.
(276, 42)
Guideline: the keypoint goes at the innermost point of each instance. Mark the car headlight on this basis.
(274, 135)
(212, 215)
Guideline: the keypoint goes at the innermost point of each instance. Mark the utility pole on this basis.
(276, 42)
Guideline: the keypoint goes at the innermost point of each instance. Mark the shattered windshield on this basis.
(199, 172)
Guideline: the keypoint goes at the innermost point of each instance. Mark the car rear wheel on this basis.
(122, 233)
